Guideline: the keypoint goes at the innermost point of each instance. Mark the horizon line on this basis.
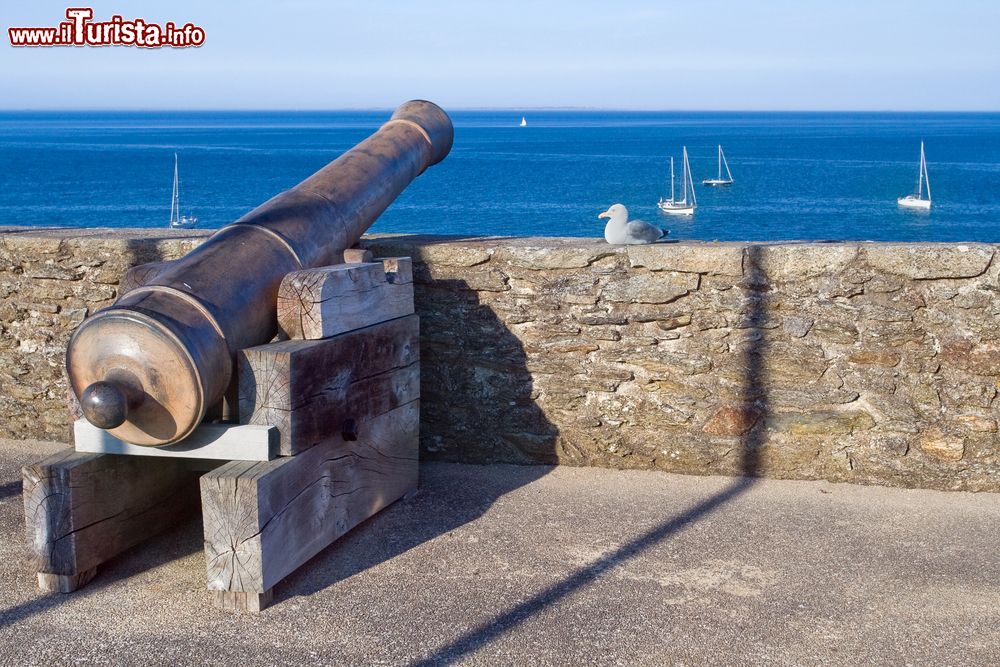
(481, 108)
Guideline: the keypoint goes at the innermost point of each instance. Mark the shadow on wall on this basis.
(479, 377)
(755, 411)
(477, 392)
(142, 251)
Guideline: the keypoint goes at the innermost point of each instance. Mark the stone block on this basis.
(874, 356)
(928, 261)
(942, 446)
(977, 423)
(970, 356)
(835, 331)
(439, 254)
(732, 420)
(791, 262)
(798, 327)
(822, 423)
(724, 259)
(555, 253)
(655, 288)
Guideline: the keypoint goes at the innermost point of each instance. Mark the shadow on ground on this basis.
(756, 402)
(10, 489)
(178, 542)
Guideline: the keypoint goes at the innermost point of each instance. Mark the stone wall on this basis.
(49, 281)
(870, 363)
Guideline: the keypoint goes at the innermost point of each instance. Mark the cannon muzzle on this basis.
(149, 367)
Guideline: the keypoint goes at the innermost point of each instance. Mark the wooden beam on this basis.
(264, 520)
(357, 256)
(311, 390)
(82, 509)
(221, 442)
(398, 270)
(324, 302)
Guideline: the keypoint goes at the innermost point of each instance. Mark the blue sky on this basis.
(700, 54)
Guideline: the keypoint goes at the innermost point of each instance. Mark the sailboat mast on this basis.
(687, 165)
(720, 162)
(923, 166)
(671, 179)
(687, 175)
(684, 176)
(920, 173)
(175, 205)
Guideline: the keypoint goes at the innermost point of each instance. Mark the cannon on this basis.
(149, 367)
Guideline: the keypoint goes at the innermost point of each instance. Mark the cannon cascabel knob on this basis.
(104, 405)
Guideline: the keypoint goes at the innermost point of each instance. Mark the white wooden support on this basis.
(220, 442)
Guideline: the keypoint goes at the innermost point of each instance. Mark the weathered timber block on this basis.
(64, 583)
(222, 442)
(242, 601)
(357, 256)
(264, 520)
(398, 270)
(82, 509)
(324, 302)
(309, 390)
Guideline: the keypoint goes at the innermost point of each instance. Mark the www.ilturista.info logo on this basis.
(80, 30)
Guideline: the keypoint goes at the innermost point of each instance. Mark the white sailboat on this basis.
(524, 122)
(178, 221)
(917, 200)
(684, 205)
(728, 180)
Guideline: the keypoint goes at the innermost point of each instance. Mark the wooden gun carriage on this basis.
(277, 355)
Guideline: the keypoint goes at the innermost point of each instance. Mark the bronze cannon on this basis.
(149, 367)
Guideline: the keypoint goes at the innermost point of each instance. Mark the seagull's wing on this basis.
(639, 231)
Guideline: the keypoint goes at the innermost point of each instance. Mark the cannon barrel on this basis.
(148, 367)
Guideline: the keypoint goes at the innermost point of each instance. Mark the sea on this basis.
(797, 176)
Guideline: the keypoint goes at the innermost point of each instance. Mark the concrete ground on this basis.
(505, 565)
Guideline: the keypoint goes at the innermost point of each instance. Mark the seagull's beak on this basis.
(606, 214)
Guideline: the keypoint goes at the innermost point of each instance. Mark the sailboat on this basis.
(682, 206)
(917, 200)
(728, 180)
(178, 221)
(524, 122)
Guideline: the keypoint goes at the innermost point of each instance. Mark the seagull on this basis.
(621, 231)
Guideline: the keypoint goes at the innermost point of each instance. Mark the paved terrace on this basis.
(535, 565)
